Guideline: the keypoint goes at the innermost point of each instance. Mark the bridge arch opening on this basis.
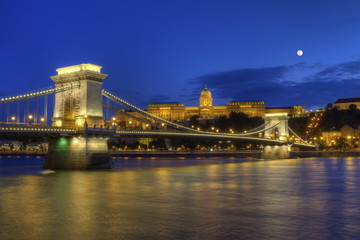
(69, 112)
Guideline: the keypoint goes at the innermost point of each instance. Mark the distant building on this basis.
(330, 136)
(177, 112)
(294, 111)
(205, 110)
(348, 132)
(344, 103)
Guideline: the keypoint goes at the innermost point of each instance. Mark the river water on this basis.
(183, 199)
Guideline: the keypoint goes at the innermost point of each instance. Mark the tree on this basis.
(341, 144)
(329, 107)
(194, 121)
(352, 107)
(238, 122)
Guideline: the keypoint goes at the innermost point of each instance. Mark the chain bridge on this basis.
(80, 126)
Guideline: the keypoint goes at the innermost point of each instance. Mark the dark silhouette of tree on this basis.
(238, 122)
(352, 107)
(194, 121)
(329, 106)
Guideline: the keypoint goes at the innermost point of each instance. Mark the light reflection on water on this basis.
(151, 199)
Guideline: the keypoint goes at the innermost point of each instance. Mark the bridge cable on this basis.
(292, 131)
(177, 126)
(257, 128)
(38, 94)
(256, 132)
(122, 112)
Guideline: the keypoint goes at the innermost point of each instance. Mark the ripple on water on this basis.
(187, 199)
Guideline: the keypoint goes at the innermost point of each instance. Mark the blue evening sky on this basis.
(165, 51)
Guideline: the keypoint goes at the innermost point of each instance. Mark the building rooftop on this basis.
(246, 101)
(79, 68)
(166, 103)
(279, 107)
(348, 100)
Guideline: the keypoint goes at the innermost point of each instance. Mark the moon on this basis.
(300, 53)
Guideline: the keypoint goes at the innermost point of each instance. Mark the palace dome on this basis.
(205, 98)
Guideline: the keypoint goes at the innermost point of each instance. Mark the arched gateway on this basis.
(82, 101)
(282, 128)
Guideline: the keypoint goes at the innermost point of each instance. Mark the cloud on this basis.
(300, 84)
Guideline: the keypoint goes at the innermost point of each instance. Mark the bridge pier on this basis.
(276, 152)
(78, 153)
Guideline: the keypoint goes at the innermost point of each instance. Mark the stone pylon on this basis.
(82, 102)
(283, 129)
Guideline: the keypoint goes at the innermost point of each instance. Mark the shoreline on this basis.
(194, 154)
(239, 154)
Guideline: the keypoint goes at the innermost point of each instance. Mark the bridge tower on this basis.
(80, 104)
(83, 101)
(283, 129)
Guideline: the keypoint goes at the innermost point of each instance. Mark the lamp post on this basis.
(114, 121)
(42, 120)
(13, 119)
(30, 117)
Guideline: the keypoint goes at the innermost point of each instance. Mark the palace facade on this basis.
(205, 110)
(177, 112)
(344, 103)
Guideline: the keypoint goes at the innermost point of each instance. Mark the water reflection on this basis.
(279, 199)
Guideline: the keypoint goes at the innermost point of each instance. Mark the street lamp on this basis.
(30, 118)
(13, 119)
(114, 123)
(42, 120)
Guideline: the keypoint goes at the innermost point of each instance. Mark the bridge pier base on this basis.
(276, 152)
(78, 153)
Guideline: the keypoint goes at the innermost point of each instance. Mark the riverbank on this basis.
(237, 154)
(190, 154)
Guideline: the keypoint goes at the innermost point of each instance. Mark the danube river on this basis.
(183, 199)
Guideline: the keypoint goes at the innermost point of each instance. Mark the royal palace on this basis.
(178, 112)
